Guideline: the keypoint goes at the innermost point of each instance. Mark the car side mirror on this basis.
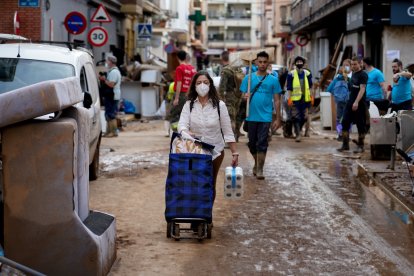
(87, 100)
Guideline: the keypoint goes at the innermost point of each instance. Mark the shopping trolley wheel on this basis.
(169, 224)
(200, 231)
(176, 231)
(209, 228)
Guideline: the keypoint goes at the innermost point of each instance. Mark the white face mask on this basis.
(106, 65)
(202, 89)
(347, 69)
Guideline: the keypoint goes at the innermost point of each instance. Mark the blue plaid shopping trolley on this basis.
(189, 193)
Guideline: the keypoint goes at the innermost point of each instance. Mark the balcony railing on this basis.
(229, 39)
(229, 16)
(303, 14)
(216, 37)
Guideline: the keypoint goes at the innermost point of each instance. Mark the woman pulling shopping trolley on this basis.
(191, 181)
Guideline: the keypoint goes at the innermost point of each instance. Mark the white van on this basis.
(23, 64)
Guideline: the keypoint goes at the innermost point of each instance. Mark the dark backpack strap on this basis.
(218, 110)
(257, 87)
(191, 105)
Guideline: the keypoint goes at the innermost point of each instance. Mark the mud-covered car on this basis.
(23, 64)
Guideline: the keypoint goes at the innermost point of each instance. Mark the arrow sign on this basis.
(144, 30)
(101, 15)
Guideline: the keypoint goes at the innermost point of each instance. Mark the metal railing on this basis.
(230, 16)
(9, 267)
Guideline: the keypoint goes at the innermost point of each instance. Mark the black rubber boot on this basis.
(345, 142)
(287, 129)
(360, 147)
(261, 157)
(297, 132)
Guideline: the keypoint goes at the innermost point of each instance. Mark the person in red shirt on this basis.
(183, 75)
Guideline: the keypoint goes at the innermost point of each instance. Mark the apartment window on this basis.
(213, 14)
(238, 36)
(283, 13)
(197, 4)
(215, 37)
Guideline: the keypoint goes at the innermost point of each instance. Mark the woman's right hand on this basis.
(175, 102)
(235, 161)
(187, 134)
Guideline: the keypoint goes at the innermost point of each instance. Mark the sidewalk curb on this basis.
(364, 174)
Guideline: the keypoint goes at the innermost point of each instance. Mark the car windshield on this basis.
(16, 73)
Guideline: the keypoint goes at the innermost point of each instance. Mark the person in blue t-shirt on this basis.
(254, 69)
(376, 90)
(263, 96)
(401, 98)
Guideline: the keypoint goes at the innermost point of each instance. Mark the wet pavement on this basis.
(374, 204)
(313, 221)
(314, 214)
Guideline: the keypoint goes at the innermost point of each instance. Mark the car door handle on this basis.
(94, 120)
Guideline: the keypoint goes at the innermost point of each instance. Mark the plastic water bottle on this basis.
(233, 183)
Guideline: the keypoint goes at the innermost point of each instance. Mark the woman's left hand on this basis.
(235, 161)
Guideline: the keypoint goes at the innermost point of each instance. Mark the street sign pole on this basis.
(144, 33)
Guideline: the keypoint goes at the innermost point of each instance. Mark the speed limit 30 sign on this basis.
(98, 36)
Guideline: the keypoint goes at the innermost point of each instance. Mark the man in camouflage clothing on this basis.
(229, 91)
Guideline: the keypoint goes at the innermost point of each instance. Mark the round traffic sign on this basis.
(75, 23)
(302, 40)
(169, 48)
(98, 36)
(289, 46)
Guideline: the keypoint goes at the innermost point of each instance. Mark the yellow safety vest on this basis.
(296, 94)
(170, 94)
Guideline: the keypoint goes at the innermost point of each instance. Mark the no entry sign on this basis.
(98, 36)
(289, 46)
(75, 23)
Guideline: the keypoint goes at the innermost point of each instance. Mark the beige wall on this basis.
(276, 27)
(397, 38)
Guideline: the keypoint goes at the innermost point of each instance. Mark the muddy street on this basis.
(311, 215)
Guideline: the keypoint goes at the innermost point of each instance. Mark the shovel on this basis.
(249, 80)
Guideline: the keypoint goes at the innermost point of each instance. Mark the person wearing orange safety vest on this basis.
(300, 95)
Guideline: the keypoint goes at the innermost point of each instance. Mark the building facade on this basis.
(234, 24)
(278, 32)
(44, 20)
(380, 29)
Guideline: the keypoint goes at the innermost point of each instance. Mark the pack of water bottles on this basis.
(233, 183)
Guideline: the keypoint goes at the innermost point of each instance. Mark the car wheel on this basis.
(94, 166)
